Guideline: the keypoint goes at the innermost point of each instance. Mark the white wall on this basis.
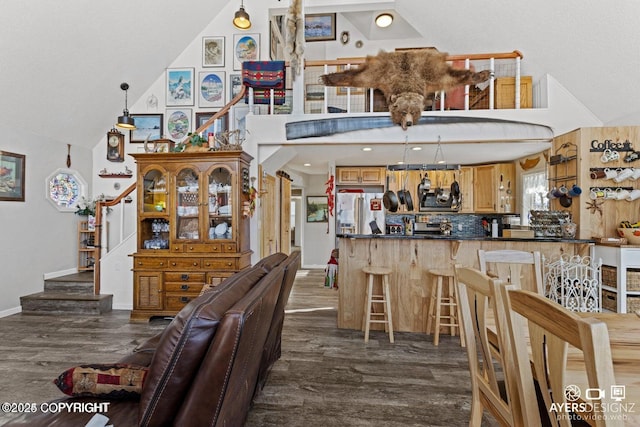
(317, 237)
(36, 239)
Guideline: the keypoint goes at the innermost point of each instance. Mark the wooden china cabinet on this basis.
(192, 229)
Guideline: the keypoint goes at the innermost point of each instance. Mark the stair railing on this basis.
(121, 199)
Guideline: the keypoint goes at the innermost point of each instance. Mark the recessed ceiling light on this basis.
(416, 148)
(401, 162)
(367, 149)
(384, 20)
(307, 164)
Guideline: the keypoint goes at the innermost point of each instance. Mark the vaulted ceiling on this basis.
(62, 62)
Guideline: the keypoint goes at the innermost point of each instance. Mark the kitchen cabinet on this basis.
(466, 189)
(192, 226)
(494, 188)
(360, 175)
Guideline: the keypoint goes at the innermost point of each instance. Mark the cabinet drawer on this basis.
(183, 287)
(203, 248)
(175, 302)
(184, 263)
(228, 247)
(184, 277)
(143, 262)
(219, 263)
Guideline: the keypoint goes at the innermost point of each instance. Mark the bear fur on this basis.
(408, 80)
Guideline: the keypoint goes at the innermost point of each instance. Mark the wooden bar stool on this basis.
(384, 299)
(437, 302)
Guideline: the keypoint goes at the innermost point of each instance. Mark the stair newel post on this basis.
(98, 251)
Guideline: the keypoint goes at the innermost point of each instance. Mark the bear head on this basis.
(406, 108)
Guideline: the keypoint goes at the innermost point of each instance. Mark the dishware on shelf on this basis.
(221, 229)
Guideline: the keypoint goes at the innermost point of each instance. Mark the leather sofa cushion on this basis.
(273, 260)
(222, 391)
(183, 345)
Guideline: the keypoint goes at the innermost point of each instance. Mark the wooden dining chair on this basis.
(484, 323)
(512, 266)
(551, 329)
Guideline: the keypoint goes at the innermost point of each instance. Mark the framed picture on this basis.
(235, 84)
(317, 209)
(213, 51)
(287, 107)
(163, 146)
(178, 123)
(211, 89)
(246, 47)
(12, 177)
(147, 126)
(180, 86)
(319, 27)
(314, 92)
(220, 125)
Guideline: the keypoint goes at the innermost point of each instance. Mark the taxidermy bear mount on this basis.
(408, 80)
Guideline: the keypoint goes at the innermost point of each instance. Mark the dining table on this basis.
(624, 340)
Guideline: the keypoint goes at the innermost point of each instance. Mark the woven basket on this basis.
(610, 302)
(609, 277)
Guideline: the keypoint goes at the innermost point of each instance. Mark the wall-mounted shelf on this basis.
(563, 178)
(115, 175)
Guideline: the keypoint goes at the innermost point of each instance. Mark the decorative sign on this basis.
(609, 144)
(375, 204)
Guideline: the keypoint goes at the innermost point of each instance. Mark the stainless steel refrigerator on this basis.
(356, 211)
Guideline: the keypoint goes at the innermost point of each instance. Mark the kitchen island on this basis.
(410, 257)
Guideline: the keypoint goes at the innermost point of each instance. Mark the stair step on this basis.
(66, 303)
(74, 283)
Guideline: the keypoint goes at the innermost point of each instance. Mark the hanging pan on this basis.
(389, 199)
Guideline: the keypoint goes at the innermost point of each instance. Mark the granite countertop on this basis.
(455, 238)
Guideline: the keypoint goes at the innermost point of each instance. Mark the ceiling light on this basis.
(125, 121)
(384, 20)
(416, 148)
(307, 164)
(367, 149)
(241, 18)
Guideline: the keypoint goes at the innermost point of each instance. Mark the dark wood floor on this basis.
(326, 376)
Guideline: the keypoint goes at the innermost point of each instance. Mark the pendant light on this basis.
(241, 19)
(125, 121)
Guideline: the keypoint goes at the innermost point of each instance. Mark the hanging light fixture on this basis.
(384, 20)
(241, 19)
(439, 157)
(125, 121)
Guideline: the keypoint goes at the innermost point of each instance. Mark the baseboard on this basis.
(60, 273)
(123, 307)
(10, 312)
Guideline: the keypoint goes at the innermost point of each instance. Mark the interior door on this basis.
(285, 215)
(269, 241)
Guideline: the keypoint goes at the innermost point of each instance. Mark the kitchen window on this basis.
(534, 194)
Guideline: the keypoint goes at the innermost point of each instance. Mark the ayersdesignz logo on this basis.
(593, 404)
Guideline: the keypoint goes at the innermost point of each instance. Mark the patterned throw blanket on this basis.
(263, 76)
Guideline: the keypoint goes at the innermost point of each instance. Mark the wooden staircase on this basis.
(71, 294)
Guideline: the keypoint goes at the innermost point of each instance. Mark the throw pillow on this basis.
(113, 381)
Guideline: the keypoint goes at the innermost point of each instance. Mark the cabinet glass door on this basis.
(187, 204)
(220, 205)
(155, 192)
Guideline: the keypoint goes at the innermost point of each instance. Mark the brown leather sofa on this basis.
(206, 366)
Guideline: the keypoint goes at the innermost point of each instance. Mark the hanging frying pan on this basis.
(401, 195)
(389, 199)
(407, 194)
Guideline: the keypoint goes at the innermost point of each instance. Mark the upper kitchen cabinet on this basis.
(360, 175)
(466, 189)
(494, 188)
